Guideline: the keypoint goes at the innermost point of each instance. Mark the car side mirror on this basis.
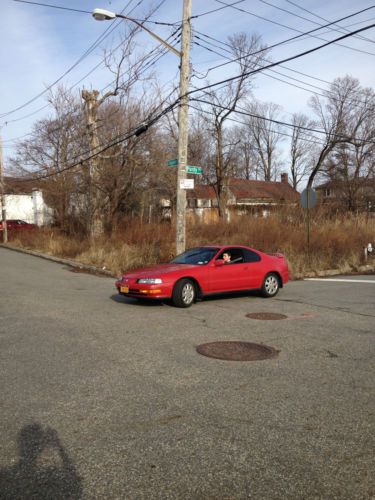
(219, 262)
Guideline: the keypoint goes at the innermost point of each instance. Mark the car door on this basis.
(229, 276)
(253, 269)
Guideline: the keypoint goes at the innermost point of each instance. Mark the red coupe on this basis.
(207, 270)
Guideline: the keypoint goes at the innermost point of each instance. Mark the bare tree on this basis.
(54, 145)
(345, 114)
(264, 137)
(221, 103)
(301, 148)
(352, 164)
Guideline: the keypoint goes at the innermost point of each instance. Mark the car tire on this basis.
(184, 293)
(271, 285)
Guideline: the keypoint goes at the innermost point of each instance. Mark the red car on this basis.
(207, 270)
(17, 224)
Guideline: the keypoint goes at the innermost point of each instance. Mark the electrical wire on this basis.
(279, 122)
(136, 131)
(114, 25)
(174, 36)
(323, 19)
(327, 91)
(305, 139)
(277, 63)
(309, 20)
(294, 29)
(306, 33)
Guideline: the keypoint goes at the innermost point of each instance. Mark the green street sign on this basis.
(194, 170)
(172, 163)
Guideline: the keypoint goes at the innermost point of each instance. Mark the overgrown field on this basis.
(335, 243)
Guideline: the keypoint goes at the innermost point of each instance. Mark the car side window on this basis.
(236, 255)
(251, 256)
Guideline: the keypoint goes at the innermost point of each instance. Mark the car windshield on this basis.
(199, 255)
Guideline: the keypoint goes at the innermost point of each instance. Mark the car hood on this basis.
(158, 271)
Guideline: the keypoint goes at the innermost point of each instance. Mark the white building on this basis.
(29, 207)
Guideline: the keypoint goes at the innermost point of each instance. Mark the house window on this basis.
(191, 202)
(202, 203)
(327, 193)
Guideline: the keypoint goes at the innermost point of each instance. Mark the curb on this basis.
(67, 262)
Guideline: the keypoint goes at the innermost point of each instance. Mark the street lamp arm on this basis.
(104, 15)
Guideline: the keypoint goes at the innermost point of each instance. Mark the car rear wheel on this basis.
(271, 285)
(183, 293)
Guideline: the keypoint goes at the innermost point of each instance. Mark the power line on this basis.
(327, 91)
(305, 139)
(279, 122)
(52, 6)
(309, 20)
(216, 10)
(323, 19)
(294, 29)
(306, 33)
(106, 33)
(153, 61)
(136, 131)
(277, 63)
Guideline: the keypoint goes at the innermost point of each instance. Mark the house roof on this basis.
(265, 190)
(202, 192)
(17, 185)
(248, 189)
(339, 183)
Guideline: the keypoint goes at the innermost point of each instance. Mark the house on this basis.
(352, 194)
(243, 195)
(24, 200)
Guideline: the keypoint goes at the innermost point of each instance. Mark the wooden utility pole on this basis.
(3, 202)
(94, 219)
(183, 117)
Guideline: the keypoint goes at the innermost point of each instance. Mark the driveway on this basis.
(104, 397)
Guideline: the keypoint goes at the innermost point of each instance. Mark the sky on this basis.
(41, 45)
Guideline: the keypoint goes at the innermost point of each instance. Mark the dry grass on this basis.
(334, 243)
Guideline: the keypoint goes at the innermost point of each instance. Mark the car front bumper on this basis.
(144, 290)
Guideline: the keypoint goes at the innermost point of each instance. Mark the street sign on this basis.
(172, 163)
(187, 184)
(194, 170)
(308, 198)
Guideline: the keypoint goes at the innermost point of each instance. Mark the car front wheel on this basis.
(183, 293)
(271, 285)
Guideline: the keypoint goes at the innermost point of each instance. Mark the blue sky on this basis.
(39, 44)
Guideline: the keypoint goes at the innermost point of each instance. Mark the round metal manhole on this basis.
(266, 315)
(237, 351)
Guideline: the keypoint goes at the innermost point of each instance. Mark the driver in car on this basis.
(226, 257)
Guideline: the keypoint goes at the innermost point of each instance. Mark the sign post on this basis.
(308, 200)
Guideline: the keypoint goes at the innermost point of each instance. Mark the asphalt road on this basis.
(103, 397)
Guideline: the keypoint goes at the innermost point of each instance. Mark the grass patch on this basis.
(334, 243)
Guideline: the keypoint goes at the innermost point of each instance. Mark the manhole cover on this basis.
(237, 351)
(266, 315)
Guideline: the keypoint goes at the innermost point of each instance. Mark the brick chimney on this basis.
(284, 177)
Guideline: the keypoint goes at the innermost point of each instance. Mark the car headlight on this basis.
(150, 281)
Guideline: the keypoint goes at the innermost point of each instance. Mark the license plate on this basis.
(124, 289)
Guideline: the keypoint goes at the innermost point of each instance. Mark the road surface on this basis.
(103, 397)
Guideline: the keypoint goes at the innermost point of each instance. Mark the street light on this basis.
(105, 15)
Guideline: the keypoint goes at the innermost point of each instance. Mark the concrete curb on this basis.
(367, 268)
(67, 262)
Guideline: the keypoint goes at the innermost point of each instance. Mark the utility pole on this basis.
(106, 15)
(3, 202)
(183, 122)
(94, 219)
